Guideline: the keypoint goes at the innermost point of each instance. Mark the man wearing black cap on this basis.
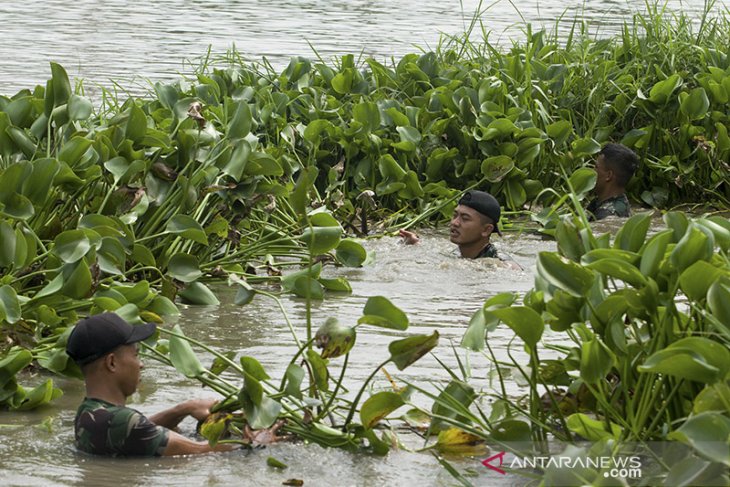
(105, 348)
(474, 220)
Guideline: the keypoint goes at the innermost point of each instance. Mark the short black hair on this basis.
(622, 160)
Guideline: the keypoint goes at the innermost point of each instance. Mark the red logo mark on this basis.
(487, 462)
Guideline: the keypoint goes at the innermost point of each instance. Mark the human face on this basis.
(603, 175)
(467, 226)
(128, 368)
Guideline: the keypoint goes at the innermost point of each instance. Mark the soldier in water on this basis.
(615, 165)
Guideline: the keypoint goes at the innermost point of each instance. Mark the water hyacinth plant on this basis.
(239, 171)
(644, 354)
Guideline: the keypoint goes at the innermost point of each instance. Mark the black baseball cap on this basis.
(97, 335)
(484, 203)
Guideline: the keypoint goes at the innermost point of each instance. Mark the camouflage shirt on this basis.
(491, 251)
(616, 206)
(102, 428)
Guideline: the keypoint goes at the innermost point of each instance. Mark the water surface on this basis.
(129, 42)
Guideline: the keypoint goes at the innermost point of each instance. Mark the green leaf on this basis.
(9, 305)
(631, 235)
(456, 441)
(307, 287)
(662, 90)
(72, 150)
(16, 360)
(714, 397)
(143, 255)
(450, 401)
(474, 337)
(61, 85)
(79, 107)
(198, 293)
(585, 147)
(245, 293)
(708, 434)
(300, 196)
(693, 358)
(559, 131)
(321, 240)
(368, 114)
(338, 285)
(262, 415)
(319, 370)
(497, 167)
(8, 245)
(653, 252)
(695, 104)
(718, 300)
(408, 350)
(44, 171)
(524, 321)
(334, 339)
(592, 429)
(351, 253)
(241, 122)
(273, 462)
(696, 279)
(136, 124)
(39, 396)
(184, 267)
(183, 357)
(214, 427)
(695, 245)
(596, 361)
(564, 274)
(512, 430)
(163, 307)
(390, 169)
(77, 280)
(239, 158)
(379, 311)
(619, 269)
(294, 377)
(253, 367)
(583, 180)
(187, 227)
(378, 406)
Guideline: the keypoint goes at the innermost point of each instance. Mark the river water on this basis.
(129, 42)
(99, 40)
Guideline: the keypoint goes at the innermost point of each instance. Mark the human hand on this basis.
(409, 238)
(199, 408)
(264, 436)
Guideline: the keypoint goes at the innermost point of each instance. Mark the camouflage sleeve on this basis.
(603, 211)
(132, 434)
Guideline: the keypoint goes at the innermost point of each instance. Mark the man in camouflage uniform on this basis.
(615, 165)
(475, 218)
(105, 347)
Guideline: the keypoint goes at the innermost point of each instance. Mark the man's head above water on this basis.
(475, 218)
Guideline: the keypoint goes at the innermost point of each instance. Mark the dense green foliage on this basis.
(239, 171)
(646, 349)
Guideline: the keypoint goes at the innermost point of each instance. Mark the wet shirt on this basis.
(102, 428)
(491, 251)
(616, 206)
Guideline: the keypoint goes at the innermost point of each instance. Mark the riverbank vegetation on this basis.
(244, 173)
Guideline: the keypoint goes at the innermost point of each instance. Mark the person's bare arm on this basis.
(409, 238)
(170, 418)
(179, 445)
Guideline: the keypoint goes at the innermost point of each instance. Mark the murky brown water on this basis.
(114, 39)
(129, 42)
(436, 289)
